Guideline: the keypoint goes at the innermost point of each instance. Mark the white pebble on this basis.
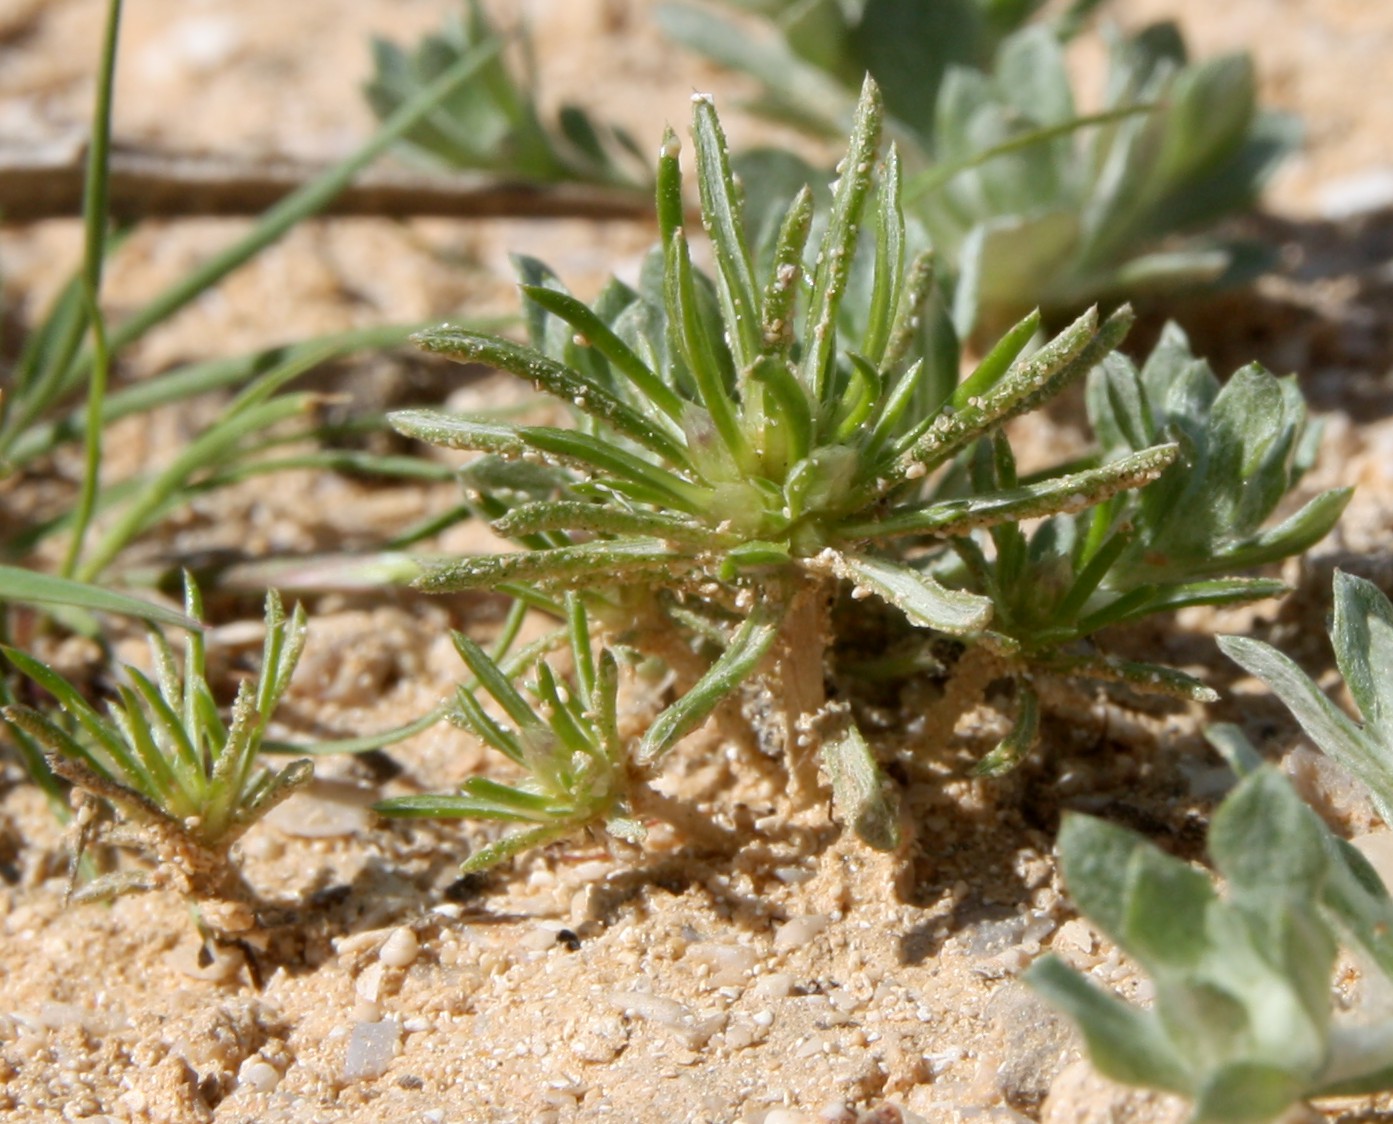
(306, 816)
(656, 1008)
(776, 985)
(368, 985)
(257, 1075)
(798, 931)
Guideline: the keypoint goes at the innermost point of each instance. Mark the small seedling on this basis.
(566, 738)
(184, 781)
(1242, 1019)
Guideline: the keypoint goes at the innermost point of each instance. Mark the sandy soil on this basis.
(800, 978)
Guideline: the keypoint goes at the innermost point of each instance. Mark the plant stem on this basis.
(94, 206)
(800, 681)
(649, 803)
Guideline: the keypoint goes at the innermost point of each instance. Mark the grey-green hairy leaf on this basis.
(1242, 1022)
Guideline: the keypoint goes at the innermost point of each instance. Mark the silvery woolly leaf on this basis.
(1328, 726)
(1124, 1042)
(1363, 639)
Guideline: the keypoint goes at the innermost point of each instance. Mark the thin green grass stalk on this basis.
(934, 178)
(255, 410)
(303, 203)
(94, 208)
(68, 366)
(195, 379)
(29, 587)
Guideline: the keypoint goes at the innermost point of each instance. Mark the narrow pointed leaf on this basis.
(839, 244)
(737, 663)
(1070, 355)
(600, 336)
(721, 214)
(1068, 494)
(581, 451)
(1326, 725)
(858, 787)
(513, 844)
(584, 563)
(600, 518)
(920, 597)
(557, 380)
(34, 588)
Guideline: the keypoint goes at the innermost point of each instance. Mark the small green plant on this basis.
(746, 447)
(63, 596)
(1242, 1020)
(492, 122)
(565, 737)
(185, 781)
(1029, 201)
(1244, 446)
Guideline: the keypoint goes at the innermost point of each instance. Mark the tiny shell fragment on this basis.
(400, 949)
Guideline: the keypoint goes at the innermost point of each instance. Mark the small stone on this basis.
(308, 816)
(368, 985)
(798, 931)
(1080, 1096)
(1352, 196)
(210, 963)
(371, 1048)
(776, 985)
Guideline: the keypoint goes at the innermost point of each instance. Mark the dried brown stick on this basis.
(46, 182)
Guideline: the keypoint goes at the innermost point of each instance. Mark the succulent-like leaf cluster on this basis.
(746, 445)
(163, 754)
(1243, 447)
(1029, 201)
(1242, 1019)
(565, 736)
(813, 51)
(493, 121)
